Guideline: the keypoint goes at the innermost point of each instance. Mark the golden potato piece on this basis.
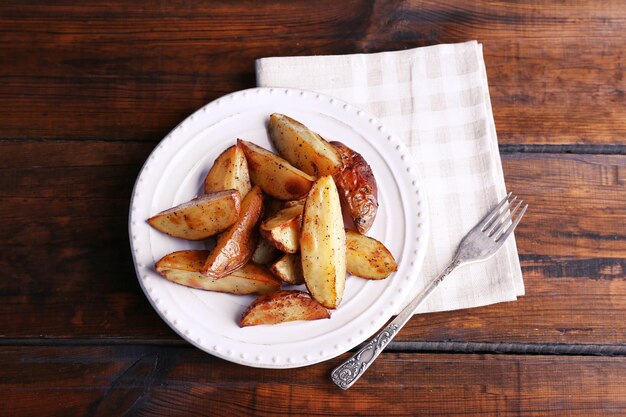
(357, 187)
(302, 147)
(183, 267)
(323, 244)
(235, 246)
(288, 269)
(281, 307)
(283, 229)
(367, 258)
(276, 177)
(229, 171)
(265, 253)
(201, 217)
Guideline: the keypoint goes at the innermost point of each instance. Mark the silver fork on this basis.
(479, 244)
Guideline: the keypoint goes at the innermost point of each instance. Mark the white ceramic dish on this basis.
(174, 173)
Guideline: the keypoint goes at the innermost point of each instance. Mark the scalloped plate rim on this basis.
(332, 103)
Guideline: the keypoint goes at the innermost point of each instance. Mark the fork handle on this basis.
(351, 370)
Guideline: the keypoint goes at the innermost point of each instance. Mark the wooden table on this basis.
(87, 89)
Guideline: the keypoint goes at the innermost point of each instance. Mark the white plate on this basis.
(174, 173)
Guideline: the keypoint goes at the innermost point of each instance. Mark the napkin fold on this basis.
(436, 99)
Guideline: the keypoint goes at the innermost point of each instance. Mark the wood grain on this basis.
(88, 88)
(68, 270)
(136, 380)
(127, 71)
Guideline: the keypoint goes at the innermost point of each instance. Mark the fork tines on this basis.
(500, 222)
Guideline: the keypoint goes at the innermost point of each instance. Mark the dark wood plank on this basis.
(135, 380)
(121, 70)
(572, 244)
(67, 268)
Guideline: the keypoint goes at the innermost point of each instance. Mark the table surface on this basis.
(89, 88)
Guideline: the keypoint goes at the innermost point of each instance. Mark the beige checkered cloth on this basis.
(436, 99)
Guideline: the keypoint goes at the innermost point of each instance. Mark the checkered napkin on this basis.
(436, 99)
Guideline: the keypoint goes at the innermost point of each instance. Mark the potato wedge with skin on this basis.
(183, 267)
(276, 177)
(323, 244)
(367, 258)
(288, 269)
(229, 171)
(283, 306)
(265, 253)
(235, 246)
(357, 187)
(201, 217)
(301, 146)
(283, 229)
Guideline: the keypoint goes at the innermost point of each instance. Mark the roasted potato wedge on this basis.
(367, 258)
(276, 177)
(283, 229)
(235, 246)
(265, 253)
(230, 171)
(288, 269)
(281, 307)
(357, 187)
(201, 217)
(301, 146)
(183, 268)
(323, 243)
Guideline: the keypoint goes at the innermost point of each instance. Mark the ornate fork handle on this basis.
(351, 370)
(479, 244)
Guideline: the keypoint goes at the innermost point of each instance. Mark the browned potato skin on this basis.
(229, 171)
(183, 267)
(368, 258)
(302, 147)
(288, 269)
(283, 229)
(201, 217)
(276, 177)
(283, 306)
(235, 246)
(357, 187)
